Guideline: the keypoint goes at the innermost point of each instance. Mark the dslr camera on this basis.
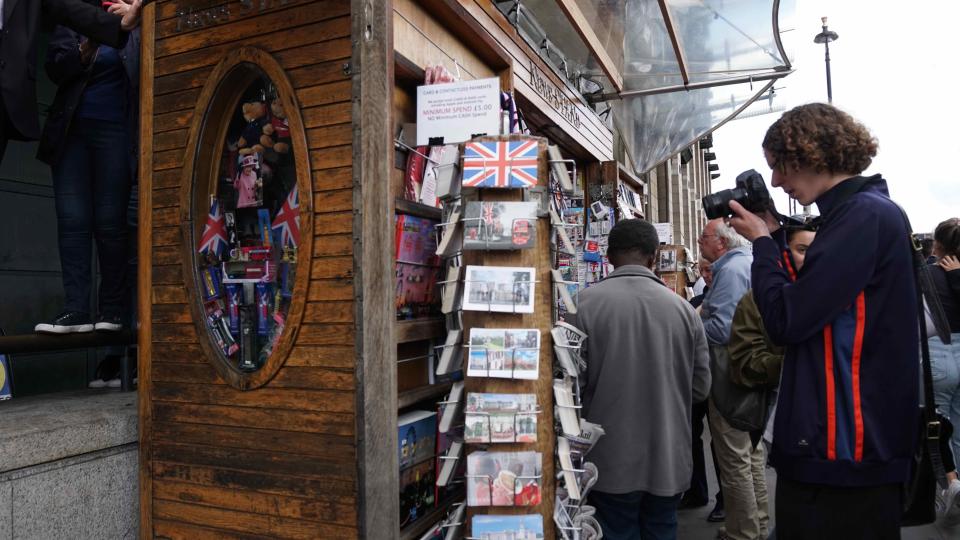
(750, 192)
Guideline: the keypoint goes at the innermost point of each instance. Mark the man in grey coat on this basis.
(647, 362)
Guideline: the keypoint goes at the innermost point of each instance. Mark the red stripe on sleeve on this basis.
(857, 350)
(831, 397)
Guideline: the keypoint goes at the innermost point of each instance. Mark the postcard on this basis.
(500, 225)
(504, 353)
(504, 479)
(500, 418)
(667, 260)
(499, 288)
(501, 164)
(528, 527)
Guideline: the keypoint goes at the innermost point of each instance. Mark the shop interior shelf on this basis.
(420, 526)
(420, 329)
(412, 208)
(415, 395)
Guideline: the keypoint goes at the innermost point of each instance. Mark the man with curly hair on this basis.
(846, 419)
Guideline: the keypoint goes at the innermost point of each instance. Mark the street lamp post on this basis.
(825, 37)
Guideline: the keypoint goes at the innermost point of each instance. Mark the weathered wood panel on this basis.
(341, 424)
(278, 461)
(257, 503)
(244, 522)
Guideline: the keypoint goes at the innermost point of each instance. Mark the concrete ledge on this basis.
(69, 466)
(40, 429)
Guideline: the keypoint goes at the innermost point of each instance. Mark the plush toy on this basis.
(276, 132)
(255, 114)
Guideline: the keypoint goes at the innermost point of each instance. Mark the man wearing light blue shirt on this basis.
(741, 464)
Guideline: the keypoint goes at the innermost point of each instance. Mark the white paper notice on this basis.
(664, 232)
(457, 111)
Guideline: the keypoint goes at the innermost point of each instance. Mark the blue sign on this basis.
(4, 378)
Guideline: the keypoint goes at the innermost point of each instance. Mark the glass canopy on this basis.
(672, 70)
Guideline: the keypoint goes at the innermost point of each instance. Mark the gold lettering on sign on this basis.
(567, 107)
(193, 17)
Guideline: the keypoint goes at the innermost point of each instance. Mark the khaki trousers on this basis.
(744, 482)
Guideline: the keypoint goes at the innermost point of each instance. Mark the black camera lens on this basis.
(750, 192)
(717, 205)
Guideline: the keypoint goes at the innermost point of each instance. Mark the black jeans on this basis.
(92, 188)
(819, 512)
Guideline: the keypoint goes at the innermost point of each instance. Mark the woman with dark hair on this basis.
(945, 359)
(90, 142)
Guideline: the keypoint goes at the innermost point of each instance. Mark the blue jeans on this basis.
(945, 366)
(92, 188)
(636, 515)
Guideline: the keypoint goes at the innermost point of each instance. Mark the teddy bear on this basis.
(255, 114)
(276, 132)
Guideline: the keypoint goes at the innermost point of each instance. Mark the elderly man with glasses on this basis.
(741, 464)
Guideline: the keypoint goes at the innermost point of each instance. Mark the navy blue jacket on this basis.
(71, 76)
(847, 413)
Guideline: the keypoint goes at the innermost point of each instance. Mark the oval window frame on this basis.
(217, 101)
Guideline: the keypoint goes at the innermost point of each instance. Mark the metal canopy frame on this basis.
(579, 22)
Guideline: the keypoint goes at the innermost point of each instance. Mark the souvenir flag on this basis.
(502, 164)
(288, 220)
(214, 238)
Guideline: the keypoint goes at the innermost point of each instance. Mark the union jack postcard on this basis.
(501, 164)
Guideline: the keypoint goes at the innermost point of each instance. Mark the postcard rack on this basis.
(531, 308)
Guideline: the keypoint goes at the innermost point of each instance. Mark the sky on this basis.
(893, 68)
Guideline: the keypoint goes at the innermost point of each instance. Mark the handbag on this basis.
(745, 409)
(927, 472)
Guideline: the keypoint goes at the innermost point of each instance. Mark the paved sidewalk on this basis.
(693, 524)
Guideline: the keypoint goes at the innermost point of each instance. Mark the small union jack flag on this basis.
(287, 222)
(214, 238)
(504, 164)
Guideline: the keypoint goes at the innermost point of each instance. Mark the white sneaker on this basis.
(98, 383)
(113, 383)
(948, 504)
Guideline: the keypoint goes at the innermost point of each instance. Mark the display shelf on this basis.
(403, 206)
(411, 397)
(419, 329)
(420, 526)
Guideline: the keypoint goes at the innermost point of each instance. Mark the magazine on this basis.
(504, 479)
(504, 353)
(527, 527)
(499, 288)
(500, 225)
(501, 418)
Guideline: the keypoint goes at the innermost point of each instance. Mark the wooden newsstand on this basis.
(305, 444)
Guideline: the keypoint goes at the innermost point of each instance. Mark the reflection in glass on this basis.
(247, 252)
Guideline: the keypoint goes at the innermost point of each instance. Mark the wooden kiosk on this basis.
(288, 428)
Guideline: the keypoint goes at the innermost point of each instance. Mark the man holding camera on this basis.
(846, 421)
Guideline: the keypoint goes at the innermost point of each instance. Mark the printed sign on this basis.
(457, 111)
(664, 232)
(4, 378)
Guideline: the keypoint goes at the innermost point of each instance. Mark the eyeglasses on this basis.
(703, 237)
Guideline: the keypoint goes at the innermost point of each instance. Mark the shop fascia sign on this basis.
(192, 16)
(554, 96)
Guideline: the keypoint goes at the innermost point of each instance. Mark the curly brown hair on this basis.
(820, 137)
